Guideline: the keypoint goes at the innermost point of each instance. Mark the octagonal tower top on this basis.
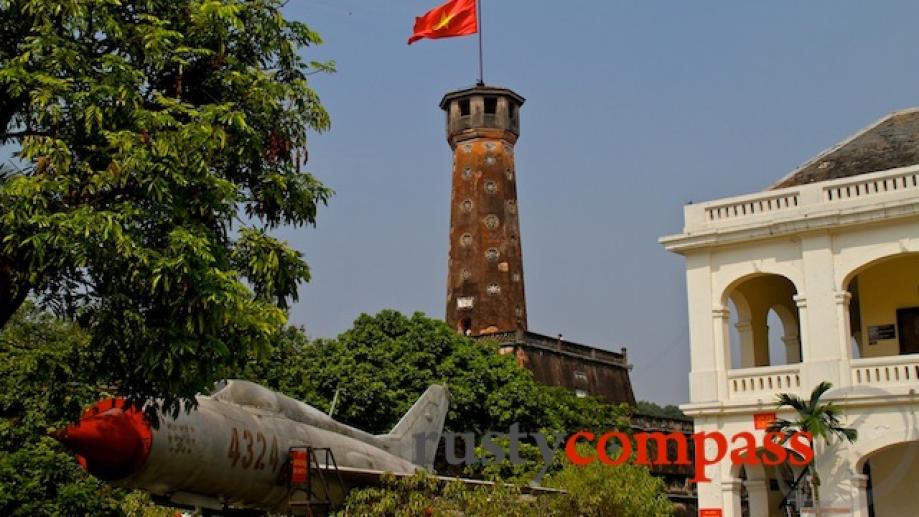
(471, 110)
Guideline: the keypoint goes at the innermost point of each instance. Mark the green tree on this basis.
(644, 407)
(384, 362)
(159, 141)
(42, 384)
(597, 489)
(821, 421)
(422, 495)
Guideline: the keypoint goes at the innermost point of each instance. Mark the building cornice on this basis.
(846, 398)
(822, 206)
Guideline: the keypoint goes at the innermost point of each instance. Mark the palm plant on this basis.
(820, 420)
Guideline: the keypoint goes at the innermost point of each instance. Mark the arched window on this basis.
(764, 322)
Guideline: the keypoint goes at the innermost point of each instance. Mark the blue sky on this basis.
(633, 109)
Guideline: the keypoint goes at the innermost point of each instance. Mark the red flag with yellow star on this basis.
(454, 18)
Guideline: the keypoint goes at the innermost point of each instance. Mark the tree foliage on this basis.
(644, 407)
(385, 361)
(820, 420)
(145, 130)
(424, 496)
(380, 366)
(42, 384)
(595, 490)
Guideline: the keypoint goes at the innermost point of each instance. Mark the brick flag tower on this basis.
(485, 294)
(485, 274)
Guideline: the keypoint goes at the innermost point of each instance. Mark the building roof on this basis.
(889, 143)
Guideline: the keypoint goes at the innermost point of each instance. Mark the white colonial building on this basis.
(815, 279)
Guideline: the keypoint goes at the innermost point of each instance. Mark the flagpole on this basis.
(478, 15)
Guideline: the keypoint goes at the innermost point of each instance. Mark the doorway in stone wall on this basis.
(908, 328)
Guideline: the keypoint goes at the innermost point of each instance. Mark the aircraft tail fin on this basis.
(417, 434)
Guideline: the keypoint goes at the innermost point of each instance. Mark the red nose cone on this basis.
(110, 441)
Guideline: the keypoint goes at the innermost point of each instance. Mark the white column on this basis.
(842, 299)
(703, 344)
(819, 338)
(720, 317)
(746, 345)
(730, 497)
(757, 497)
(816, 364)
(792, 349)
(801, 303)
(838, 479)
(860, 484)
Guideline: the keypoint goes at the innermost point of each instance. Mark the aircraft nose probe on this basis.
(109, 440)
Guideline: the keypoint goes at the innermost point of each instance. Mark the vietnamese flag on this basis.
(454, 18)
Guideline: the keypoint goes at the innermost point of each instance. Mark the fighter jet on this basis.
(231, 452)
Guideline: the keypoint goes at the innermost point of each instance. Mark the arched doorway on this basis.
(892, 489)
(884, 307)
(770, 491)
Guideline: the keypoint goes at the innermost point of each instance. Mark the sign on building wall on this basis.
(881, 332)
(710, 512)
(763, 420)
